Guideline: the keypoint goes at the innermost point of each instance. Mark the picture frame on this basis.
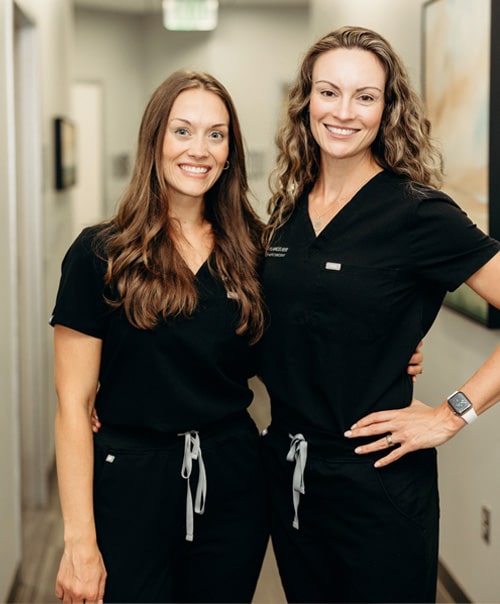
(461, 86)
(65, 153)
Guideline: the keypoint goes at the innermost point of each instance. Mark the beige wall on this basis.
(397, 20)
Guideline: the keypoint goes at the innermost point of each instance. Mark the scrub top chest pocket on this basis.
(353, 302)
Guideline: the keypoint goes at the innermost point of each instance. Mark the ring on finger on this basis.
(388, 438)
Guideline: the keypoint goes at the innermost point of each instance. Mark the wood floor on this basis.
(43, 538)
(42, 547)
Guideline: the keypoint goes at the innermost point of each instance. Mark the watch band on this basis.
(469, 416)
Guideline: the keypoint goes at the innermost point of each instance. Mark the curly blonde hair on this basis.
(403, 144)
(149, 279)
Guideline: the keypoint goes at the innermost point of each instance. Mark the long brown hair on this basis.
(403, 143)
(144, 270)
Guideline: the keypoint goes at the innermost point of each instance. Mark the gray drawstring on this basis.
(192, 451)
(298, 454)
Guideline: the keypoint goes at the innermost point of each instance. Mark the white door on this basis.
(33, 388)
(88, 208)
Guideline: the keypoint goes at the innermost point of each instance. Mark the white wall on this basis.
(456, 346)
(469, 474)
(10, 493)
(53, 20)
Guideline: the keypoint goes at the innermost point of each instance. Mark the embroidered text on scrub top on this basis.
(277, 251)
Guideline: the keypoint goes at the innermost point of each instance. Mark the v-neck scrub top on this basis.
(185, 374)
(348, 307)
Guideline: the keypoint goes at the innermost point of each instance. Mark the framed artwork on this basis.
(461, 87)
(65, 153)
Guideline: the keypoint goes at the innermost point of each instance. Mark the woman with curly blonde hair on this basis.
(154, 322)
(361, 248)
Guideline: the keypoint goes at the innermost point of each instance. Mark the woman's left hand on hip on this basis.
(401, 431)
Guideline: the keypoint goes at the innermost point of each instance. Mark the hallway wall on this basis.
(10, 494)
(54, 38)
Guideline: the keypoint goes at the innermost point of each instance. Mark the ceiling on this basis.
(150, 6)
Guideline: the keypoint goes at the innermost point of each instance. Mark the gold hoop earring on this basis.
(226, 166)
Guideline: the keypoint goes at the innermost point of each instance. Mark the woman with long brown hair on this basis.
(154, 322)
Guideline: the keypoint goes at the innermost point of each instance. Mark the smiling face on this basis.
(196, 144)
(346, 103)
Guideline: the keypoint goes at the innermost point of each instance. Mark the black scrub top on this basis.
(183, 375)
(348, 307)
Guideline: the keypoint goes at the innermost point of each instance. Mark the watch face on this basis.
(459, 402)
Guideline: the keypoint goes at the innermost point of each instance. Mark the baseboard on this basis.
(451, 585)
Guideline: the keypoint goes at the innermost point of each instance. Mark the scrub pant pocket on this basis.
(136, 497)
(365, 534)
(140, 512)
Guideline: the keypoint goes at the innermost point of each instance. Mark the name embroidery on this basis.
(277, 251)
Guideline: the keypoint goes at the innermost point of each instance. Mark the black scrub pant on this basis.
(140, 512)
(365, 534)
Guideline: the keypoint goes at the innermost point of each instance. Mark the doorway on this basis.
(87, 111)
(33, 369)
